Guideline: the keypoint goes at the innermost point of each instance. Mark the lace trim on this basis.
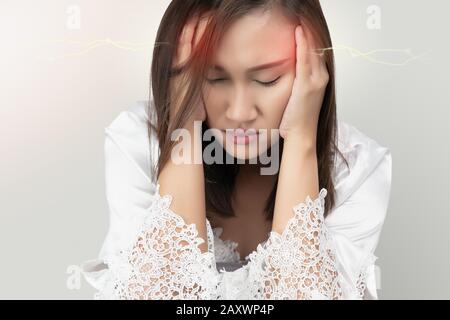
(165, 261)
(225, 250)
(300, 263)
(361, 283)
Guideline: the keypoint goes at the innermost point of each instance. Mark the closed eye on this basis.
(270, 83)
(267, 84)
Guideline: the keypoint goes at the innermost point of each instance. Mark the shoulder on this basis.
(362, 188)
(128, 145)
(365, 157)
(132, 120)
(129, 182)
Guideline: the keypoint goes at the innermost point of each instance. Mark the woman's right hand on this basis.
(191, 34)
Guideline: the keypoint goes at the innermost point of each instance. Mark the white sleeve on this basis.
(332, 258)
(149, 252)
(356, 224)
(300, 263)
(164, 260)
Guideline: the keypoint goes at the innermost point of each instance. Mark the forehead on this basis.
(256, 38)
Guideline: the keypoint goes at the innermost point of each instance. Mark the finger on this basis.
(189, 30)
(303, 58)
(185, 45)
(200, 30)
(315, 55)
(323, 65)
(318, 62)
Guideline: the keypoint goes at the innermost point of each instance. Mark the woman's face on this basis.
(239, 95)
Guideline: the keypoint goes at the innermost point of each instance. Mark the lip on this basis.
(241, 132)
(241, 136)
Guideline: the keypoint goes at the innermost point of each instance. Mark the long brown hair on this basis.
(220, 178)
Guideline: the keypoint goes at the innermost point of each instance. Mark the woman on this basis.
(199, 229)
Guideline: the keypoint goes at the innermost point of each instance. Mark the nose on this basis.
(241, 107)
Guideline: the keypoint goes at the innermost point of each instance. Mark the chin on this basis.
(244, 153)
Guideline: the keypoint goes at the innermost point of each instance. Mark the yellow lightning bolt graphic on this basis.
(355, 53)
(141, 46)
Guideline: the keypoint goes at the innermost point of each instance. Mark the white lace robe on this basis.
(151, 253)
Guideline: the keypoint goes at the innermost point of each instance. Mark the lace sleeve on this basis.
(300, 263)
(164, 261)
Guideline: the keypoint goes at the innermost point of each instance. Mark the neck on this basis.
(250, 175)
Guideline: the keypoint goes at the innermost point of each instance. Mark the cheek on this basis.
(212, 107)
(275, 100)
(284, 89)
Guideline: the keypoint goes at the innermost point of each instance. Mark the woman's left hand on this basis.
(302, 111)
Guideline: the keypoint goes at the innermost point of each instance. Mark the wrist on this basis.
(188, 143)
(303, 142)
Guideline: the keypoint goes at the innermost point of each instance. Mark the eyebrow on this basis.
(258, 67)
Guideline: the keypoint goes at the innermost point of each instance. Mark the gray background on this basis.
(59, 89)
